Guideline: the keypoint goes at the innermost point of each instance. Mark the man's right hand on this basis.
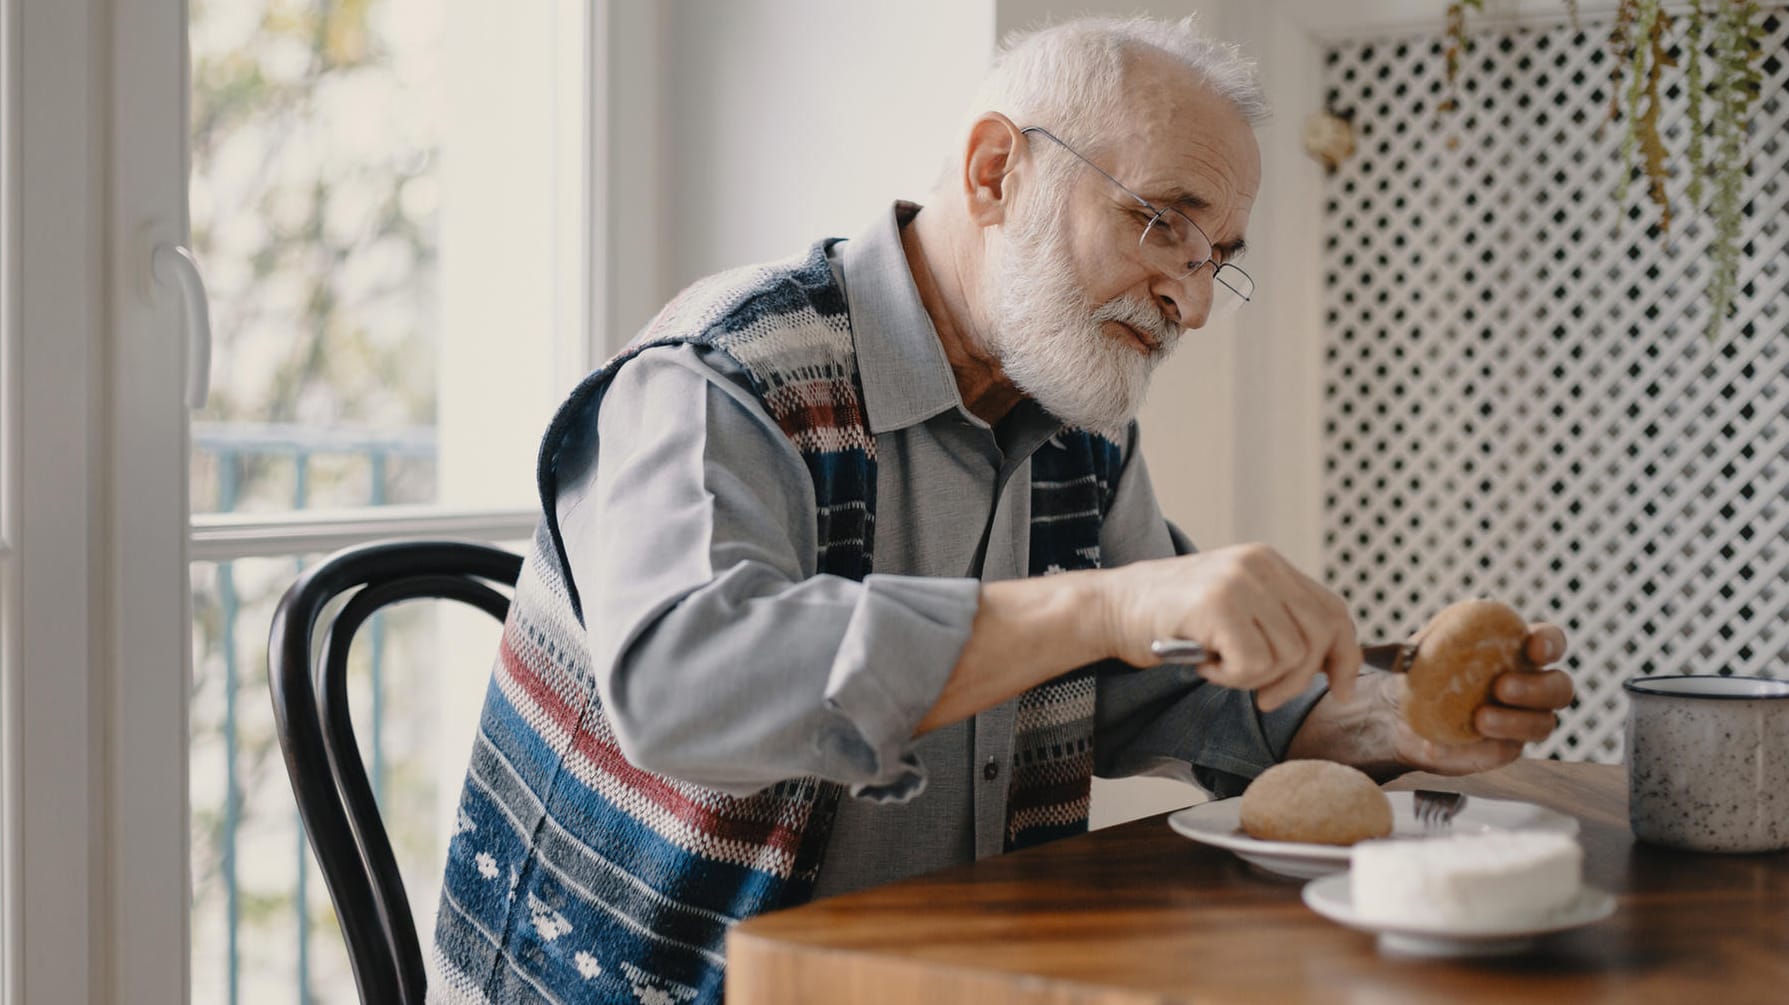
(1270, 628)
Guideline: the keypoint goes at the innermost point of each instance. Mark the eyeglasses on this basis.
(1175, 245)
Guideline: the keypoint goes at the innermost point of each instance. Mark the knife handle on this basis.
(1180, 651)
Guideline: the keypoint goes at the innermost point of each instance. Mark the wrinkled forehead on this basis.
(1179, 142)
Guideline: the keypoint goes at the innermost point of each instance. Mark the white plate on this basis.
(1218, 823)
(1331, 897)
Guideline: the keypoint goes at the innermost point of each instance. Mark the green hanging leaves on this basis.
(1647, 57)
(1692, 81)
(1737, 48)
(1457, 44)
(1722, 51)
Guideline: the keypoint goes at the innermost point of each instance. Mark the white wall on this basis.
(633, 148)
(790, 120)
(510, 289)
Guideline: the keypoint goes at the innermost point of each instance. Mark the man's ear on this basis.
(995, 146)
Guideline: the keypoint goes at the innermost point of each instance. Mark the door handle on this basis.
(173, 265)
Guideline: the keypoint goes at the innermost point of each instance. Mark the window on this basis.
(389, 200)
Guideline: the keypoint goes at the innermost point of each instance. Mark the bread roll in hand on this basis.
(1459, 654)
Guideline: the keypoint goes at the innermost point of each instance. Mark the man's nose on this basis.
(1186, 301)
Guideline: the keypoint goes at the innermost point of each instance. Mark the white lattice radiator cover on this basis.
(1518, 399)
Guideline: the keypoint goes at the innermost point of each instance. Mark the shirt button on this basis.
(990, 770)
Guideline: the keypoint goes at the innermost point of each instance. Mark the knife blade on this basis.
(1392, 656)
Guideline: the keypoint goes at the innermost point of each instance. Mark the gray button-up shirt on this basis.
(724, 660)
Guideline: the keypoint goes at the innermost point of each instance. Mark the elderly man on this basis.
(850, 566)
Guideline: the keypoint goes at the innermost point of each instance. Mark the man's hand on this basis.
(1370, 732)
(1269, 627)
(1524, 711)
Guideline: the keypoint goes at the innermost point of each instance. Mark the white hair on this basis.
(1069, 77)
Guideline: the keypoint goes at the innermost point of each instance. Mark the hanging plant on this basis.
(1646, 57)
(1693, 42)
(1455, 49)
(1720, 97)
(1738, 47)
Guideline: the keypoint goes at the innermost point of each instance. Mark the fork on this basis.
(1436, 810)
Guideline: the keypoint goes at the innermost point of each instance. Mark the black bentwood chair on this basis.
(310, 706)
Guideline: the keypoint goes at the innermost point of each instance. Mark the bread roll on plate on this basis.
(1320, 802)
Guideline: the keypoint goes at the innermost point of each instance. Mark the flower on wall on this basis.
(1329, 137)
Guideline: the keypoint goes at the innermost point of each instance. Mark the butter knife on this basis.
(1392, 656)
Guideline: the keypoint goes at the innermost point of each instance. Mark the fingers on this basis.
(1285, 646)
(1546, 690)
(1295, 661)
(1518, 724)
(1271, 629)
(1331, 646)
(1256, 636)
(1546, 644)
(1529, 701)
(1289, 686)
(1245, 655)
(1306, 626)
(1342, 663)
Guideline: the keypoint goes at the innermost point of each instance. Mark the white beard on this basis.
(1048, 343)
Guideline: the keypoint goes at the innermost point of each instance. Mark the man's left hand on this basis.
(1524, 709)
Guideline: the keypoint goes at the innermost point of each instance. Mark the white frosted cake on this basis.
(1492, 880)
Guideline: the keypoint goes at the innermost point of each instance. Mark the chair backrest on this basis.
(316, 735)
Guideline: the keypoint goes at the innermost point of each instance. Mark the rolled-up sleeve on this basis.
(721, 657)
(1168, 720)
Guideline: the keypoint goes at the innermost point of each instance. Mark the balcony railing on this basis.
(225, 455)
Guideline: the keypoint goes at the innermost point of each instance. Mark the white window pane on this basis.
(388, 202)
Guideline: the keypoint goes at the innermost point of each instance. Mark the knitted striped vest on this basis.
(574, 876)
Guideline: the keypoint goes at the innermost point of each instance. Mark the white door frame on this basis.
(54, 806)
(149, 597)
(57, 856)
(94, 674)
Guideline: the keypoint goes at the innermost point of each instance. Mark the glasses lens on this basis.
(1230, 289)
(1175, 244)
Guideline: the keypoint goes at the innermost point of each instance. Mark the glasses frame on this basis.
(1157, 214)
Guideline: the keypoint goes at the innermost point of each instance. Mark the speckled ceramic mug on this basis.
(1708, 762)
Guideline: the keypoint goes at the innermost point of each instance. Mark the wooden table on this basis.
(1137, 914)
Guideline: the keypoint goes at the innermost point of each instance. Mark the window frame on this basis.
(94, 519)
(54, 661)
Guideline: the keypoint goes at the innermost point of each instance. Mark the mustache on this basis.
(1141, 315)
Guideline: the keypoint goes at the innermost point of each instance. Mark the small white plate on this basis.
(1331, 897)
(1218, 823)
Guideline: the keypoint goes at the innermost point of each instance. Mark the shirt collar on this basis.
(906, 377)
